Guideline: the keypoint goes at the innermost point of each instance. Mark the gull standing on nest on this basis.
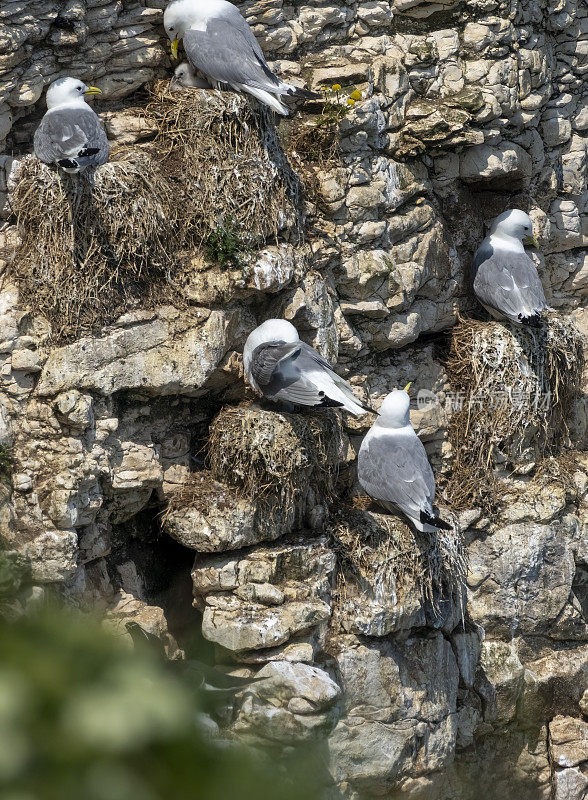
(283, 368)
(71, 134)
(505, 278)
(220, 44)
(393, 467)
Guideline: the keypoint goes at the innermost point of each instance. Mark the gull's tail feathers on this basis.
(435, 521)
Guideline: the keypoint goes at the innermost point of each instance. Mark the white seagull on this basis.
(71, 134)
(393, 467)
(220, 44)
(283, 368)
(505, 278)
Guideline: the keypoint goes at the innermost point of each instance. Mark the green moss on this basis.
(6, 462)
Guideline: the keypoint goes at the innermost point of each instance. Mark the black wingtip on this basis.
(534, 321)
(68, 163)
(436, 522)
(88, 151)
(326, 402)
(303, 94)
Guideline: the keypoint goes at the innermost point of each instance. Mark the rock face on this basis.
(464, 112)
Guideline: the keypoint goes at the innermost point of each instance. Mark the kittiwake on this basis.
(71, 134)
(220, 44)
(505, 278)
(393, 467)
(185, 77)
(283, 368)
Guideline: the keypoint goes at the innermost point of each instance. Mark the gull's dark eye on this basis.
(79, 88)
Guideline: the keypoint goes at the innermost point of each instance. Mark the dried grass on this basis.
(518, 386)
(267, 453)
(199, 491)
(379, 555)
(222, 153)
(98, 244)
(93, 246)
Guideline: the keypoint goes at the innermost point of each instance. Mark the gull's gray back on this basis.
(64, 132)
(507, 282)
(394, 468)
(228, 52)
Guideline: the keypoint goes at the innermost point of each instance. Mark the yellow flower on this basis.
(324, 88)
(336, 87)
(350, 102)
(356, 95)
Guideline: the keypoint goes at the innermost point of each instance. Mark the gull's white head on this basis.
(68, 91)
(273, 330)
(395, 410)
(179, 17)
(514, 224)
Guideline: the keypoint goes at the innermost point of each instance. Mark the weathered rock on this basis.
(400, 711)
(166, 356)
(247, 626)
(516, 593)
(291, 704)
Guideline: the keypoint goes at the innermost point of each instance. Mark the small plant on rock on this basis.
(318, 139)
(6, 461)
(336, 105)
(225, 245)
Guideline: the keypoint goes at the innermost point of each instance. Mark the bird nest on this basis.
(93, 245)
(266, 453)
(222, 154)
(97, 244)
(513, 390)
(382, 559)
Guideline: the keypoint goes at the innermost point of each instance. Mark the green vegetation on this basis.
(84, 715)
(317, 141)
(225, 245)
(336, 104)
(6, 461)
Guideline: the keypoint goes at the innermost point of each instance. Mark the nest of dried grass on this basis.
(99, 243)
(222, 153)
(380, 556)
(93, 246)
(265, 453)
(517, 387)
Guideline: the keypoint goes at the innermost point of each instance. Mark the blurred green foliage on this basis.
(84, 716)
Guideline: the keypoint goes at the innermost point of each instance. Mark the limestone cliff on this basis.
(413, 684)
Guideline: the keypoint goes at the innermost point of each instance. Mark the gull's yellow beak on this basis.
(407, 387)
(531, 241)
(93, 90)
(174, 47)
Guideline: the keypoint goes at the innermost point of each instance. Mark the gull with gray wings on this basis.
(284, 369)
(393, 467)
(71, 134)
(505, 279)
(220, 44)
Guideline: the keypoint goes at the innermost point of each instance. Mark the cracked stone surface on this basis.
(464, 112)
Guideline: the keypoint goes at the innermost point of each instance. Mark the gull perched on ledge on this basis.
(283, 368)
(220, 44)
(505, 278)
(71, 134)
(393, 466)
